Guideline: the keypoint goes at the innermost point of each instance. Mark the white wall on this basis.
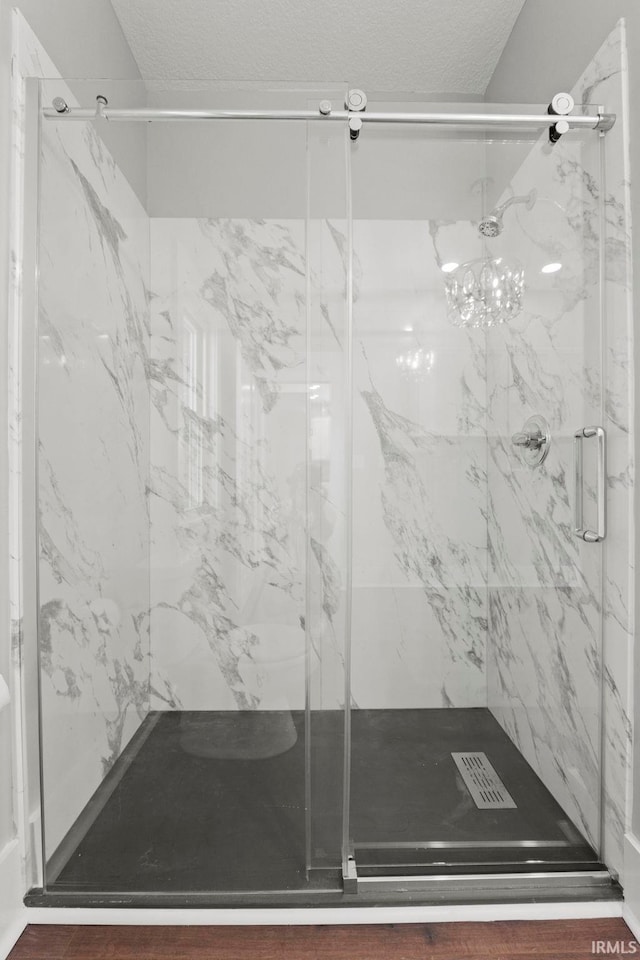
(6, 824)
(9, 873)
(84, 39)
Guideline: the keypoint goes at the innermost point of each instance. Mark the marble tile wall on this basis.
(546, 650)
(330, 470)
(228, 474)
(420, 486)
(228, 478)
(93, 464)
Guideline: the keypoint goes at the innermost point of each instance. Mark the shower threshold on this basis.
(170, 827)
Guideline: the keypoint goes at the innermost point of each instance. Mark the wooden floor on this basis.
(503, 940)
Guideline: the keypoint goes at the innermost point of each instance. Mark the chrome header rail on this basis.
(596, 121)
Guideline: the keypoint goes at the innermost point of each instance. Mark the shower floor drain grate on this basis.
(482, 782)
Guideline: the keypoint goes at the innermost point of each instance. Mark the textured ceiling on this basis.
(404, 45)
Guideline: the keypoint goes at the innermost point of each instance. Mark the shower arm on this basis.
(528, 199)
(491, 224)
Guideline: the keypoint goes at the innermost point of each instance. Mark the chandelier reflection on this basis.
(415, 364)
(484, 292)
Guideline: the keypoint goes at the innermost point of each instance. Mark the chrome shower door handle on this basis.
(585, 433)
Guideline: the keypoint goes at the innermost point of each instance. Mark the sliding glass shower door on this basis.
(476, 663)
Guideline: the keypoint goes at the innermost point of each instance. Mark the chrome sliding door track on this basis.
(482, 886)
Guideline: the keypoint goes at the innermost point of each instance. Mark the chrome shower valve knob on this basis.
(528, 440)
(533, 440)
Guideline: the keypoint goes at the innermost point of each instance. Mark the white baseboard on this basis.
(631, 921)
(10, 935)
(13, 913)
(325, 915)
(631, 912)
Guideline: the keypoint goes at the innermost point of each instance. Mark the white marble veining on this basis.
(419, 496)
(93, 456)
(227, 492)
(547, 649)
(229, 385)
(329, 496)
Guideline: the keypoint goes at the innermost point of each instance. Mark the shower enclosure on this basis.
(313, 627)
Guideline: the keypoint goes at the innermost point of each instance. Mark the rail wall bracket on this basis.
(561, 105)
(355, 103)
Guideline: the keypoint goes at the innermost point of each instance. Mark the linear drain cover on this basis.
(482, 782)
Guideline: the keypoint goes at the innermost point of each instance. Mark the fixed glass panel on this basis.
(92, 430)
(176, 402)
(476, 625)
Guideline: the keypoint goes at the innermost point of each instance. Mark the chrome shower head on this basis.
(491, 225)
